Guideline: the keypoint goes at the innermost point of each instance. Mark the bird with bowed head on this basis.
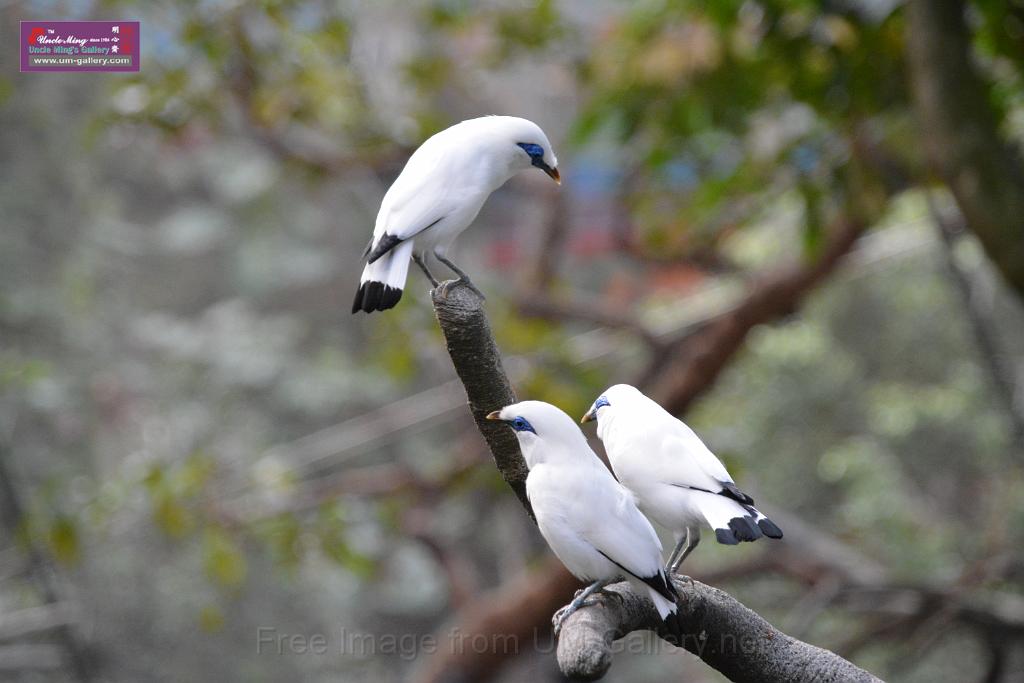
(678, 482)
(588, 519)
(439, 193)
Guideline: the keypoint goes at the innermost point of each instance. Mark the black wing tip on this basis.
(385, 244)
(375, 296)
(730, 490)
(660, 582)
(770, 529)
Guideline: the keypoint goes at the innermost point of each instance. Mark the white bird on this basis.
(590, 521)
(439, 193)
(677, 481)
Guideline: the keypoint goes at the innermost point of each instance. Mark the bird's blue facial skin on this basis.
(601, 402)
(520, 424)
(536, 153)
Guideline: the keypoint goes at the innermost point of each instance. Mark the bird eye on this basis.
(521, 424)
(535, 151)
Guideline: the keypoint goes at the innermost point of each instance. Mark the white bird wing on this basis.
(617, 529)
(645, 448)
(418, 197)
(686, 461)
(583, 504)
(432, 185)
(687, 446)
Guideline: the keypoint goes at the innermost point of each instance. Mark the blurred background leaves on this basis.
(206, 443)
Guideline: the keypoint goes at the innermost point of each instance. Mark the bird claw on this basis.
(559, 617)
(563, 613)
(683, 577)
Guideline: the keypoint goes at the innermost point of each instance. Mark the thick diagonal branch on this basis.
(727, 635)
(692, 368)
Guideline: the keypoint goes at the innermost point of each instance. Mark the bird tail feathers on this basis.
(664, 606)
(381, 284)
(660, 589)
(733, 521)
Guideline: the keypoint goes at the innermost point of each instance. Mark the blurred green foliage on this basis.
(175, 340)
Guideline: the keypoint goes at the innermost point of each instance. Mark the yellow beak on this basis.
(553, 172)
(494, 415)
(588, 417)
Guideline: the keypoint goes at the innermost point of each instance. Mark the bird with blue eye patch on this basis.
(438, 194)
(678, 482)
(590, 520)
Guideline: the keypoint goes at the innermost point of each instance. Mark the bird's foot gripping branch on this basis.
(709, 623)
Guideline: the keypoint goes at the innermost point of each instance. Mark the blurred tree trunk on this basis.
(961, 133)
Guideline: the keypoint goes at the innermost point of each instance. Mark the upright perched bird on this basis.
(677, 481)
(439, 193)
(590, 521)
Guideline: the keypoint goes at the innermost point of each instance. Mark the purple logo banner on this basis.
(79, 46)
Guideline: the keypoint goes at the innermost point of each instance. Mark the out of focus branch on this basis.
(546, 307)
(715, 623)
(961, 132)
(514, 617)
(983, 327)
(698, 359)
(23, 657)
(552, 244)
(56, 614)
(316, 151)
(32, 620)
(894, 609)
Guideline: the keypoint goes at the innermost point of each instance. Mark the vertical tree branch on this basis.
(1002, 374)
(961, 133)
(552, 243)
(478, 364)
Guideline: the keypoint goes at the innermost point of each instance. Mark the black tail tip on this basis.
(726, 537)
(672, 629)
(769, 528)
(375, 296)
(740, 529)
